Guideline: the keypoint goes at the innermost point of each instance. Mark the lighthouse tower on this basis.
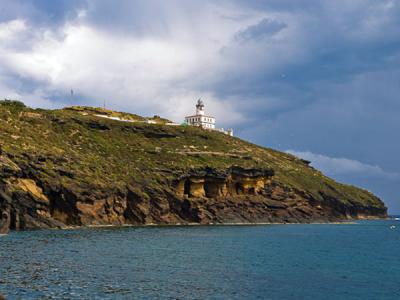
(200, 108)
(200, 119)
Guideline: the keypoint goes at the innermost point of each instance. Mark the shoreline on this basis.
(153, 225)
(344, 222)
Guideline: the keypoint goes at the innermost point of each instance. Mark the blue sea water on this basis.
(327, 261)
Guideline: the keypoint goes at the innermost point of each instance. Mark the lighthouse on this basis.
(200, 119)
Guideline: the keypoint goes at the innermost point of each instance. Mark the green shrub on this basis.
(12, 103)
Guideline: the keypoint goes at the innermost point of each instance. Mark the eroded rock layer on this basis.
(204, 196)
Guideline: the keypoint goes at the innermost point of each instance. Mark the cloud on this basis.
(265, 28)
(343, 166)
(186, 52)
(253, 61)
(141, 73)
(232, 51)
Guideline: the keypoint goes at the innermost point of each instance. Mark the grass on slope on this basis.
(80, 149)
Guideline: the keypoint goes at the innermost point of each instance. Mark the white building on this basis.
(200, 119)
(203, 121)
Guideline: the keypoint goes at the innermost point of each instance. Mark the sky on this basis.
(319, 79)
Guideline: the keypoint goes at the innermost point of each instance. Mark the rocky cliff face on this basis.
(62, 168)
(204, 196)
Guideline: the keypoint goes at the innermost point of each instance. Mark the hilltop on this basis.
(72, 167)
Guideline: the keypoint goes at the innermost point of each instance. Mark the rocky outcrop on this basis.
(5, 223)
(211, 183)
(252, 195)
(204, 196)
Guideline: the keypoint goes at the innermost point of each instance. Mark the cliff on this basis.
(72, 167)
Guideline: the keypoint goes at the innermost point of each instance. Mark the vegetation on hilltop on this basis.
(84, 150)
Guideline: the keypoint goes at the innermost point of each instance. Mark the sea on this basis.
(359, 260)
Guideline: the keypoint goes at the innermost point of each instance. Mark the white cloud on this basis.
(180, 51)
(9, 30)
(143, 73)
(342, 166)
(140, 74)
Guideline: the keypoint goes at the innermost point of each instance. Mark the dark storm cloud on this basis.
(263, 29)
